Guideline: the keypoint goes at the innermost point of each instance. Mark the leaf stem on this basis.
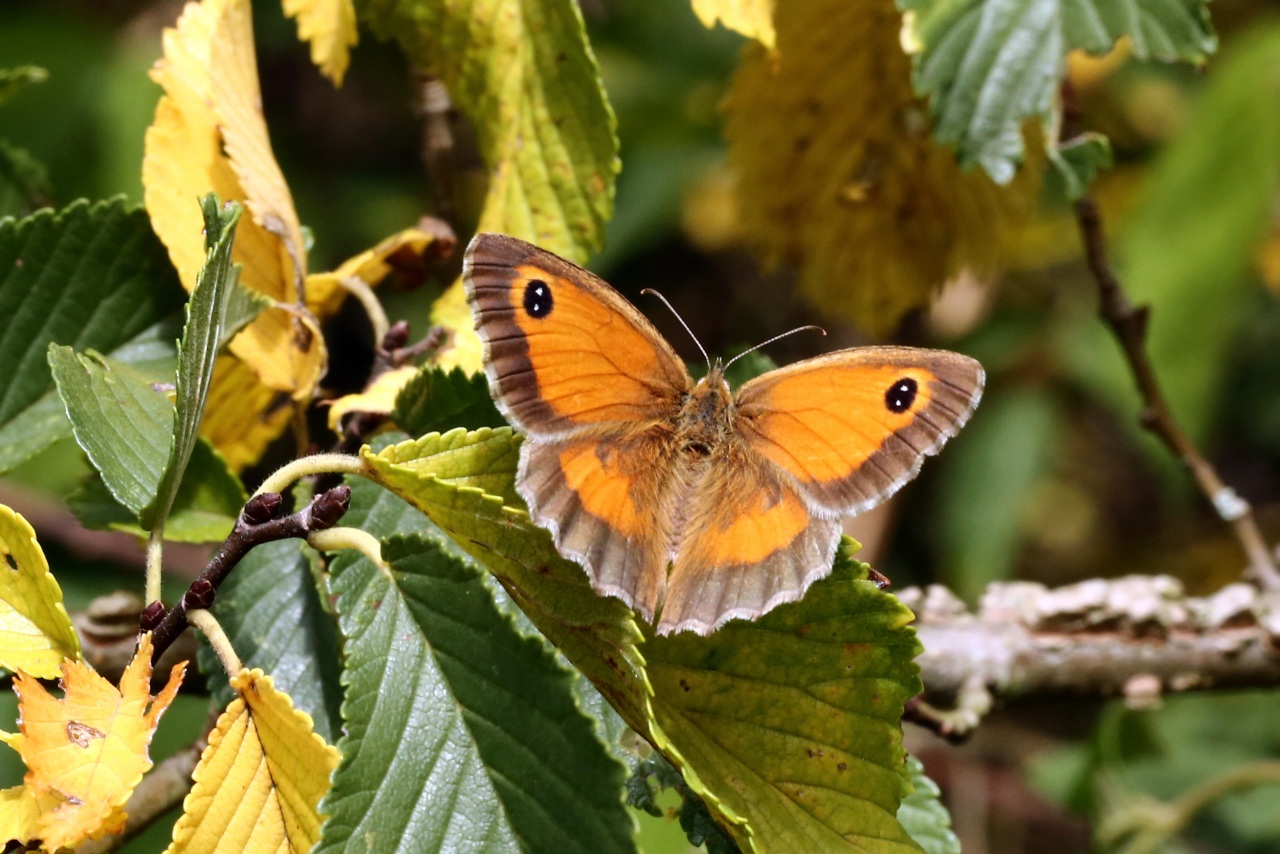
(337, 539)
(155, 562)
(307, 466)
(1129, 325)
(360, 289)
(213, 631)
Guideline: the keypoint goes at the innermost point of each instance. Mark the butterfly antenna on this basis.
(771, 340)
(652, 292)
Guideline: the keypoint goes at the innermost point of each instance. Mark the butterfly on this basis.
(692, 503)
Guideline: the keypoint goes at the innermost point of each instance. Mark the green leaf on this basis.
(14, 80)
(204, 511)
(924, 816)
(435, 401)
(990, 65)
(1189, 242)
(456, 480)
(202, 337)
(89, 276)
(24, 182)
(120, 420)
(276, 619)
(458, 729)
(1077, 162)
(525, 76)
(792, 722)
(787, 727)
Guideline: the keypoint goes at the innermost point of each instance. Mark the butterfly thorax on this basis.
(706, 415)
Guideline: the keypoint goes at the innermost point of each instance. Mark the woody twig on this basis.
(1129, 325)
(259, 523)
(1137, 637)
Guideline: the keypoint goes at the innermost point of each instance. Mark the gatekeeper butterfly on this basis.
(692, 503)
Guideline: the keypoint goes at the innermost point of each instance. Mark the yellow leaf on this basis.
(285, 349)
(35, 631)
(237, 102)
(89, 749)
(184, 159)
(752, 18)
(242, 415)
(330, 27)
(20, 811)
(464, 349)
(259, 783)
(844, 179)
(404, 252)
(209, 133)
(379, 397)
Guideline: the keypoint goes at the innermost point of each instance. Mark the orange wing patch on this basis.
(591, 368)
(824, 426)
(604, 490)
(750, 529)
(563, 350)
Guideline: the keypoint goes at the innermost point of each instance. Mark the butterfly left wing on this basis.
(852, 427)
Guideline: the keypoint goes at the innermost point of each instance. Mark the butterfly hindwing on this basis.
(609, 505)
(749, 542)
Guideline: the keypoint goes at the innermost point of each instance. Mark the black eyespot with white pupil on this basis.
(901, 395)
(537, 298)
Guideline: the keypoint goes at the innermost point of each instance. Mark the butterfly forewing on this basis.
(852, 427)
(563, 350)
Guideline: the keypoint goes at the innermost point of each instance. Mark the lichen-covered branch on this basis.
(1138, 636)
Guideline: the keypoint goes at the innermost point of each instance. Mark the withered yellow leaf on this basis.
(35, 632)
(285, 349)
(844, 180)
(330, 27)
(242, 415)
(259, 783)
(20, 811)
(184, 159)
(209, 133)
(404, 251)
(237, 102)
(752, 18)
(379, 397)
(89, 749)
(464, 349)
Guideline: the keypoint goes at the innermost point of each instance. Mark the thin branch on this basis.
(1136, 637)
(1129, 325)
(257, 524)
